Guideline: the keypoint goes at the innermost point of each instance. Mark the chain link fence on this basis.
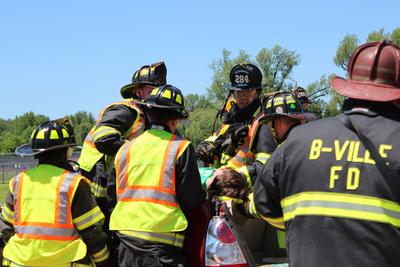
(11, 164)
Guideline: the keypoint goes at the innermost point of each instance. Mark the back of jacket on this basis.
(337, 207)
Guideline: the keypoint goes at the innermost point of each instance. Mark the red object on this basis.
(195, 234)
(225, 234)
(374, 73)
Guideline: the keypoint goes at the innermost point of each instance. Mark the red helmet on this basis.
(374, 73)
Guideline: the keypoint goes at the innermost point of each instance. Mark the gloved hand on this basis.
(205, 152)
(239, 135)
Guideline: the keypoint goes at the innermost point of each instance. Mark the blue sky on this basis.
(60, 57)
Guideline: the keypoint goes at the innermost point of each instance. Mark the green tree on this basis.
(344, 51)
(16, 132)
(276, 64)
(200, 125)
(218, 92)
(82, 121)
(377, 36)
(194, 101)
(395, 36)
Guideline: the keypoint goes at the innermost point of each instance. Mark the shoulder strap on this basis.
(380, 162)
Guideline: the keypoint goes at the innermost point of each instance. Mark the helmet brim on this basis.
(127, 90)
(183, 113)
(365, 90)
(26, 150)
(306, 116)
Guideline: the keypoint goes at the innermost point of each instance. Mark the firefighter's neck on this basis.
(283, 126)
(169, 125)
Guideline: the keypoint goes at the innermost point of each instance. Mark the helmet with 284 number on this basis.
(245, 76)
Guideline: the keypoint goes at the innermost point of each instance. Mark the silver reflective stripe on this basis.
(45, 231)
(342, 205)
(123, 166)
(88, 219)
(167, 236)
(98, 133)
(63, 197)
(89, 137)
(148, 193)
(174, 239)
(17, 180)
(131, 135)
(170, 161)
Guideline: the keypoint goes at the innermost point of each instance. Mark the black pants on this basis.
(146, 254)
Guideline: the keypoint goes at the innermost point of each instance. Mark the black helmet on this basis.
(155, 75)
(301, 94)
(245, 76)
(50, 135)
(286, 104)
(166, 97)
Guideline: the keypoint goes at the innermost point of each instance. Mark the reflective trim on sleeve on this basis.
(276, 222)
(7, 214)
(245, 171)
(102, 255)
(343, 206)
(262, 157)
(252, 209)
(173, 239)
(98, 190)
(89, 218)
(103, 131)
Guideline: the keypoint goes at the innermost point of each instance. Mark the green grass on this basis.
(3, 192)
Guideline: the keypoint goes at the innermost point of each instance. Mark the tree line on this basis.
(276, 63)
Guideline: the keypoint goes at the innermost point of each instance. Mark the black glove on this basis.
(205, 152)
(239, 135)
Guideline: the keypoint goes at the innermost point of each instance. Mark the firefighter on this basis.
(301, 94)
(117, 123)
(245, 86)
(334, 184)
(157, 183)
(50, 216)
(282, 112)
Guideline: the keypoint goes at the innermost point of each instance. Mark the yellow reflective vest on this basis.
(147, 206)
(89, 154)
(44, 231)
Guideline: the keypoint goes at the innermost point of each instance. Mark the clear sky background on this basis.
(61, 57)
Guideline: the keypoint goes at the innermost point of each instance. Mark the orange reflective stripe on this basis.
(60, 181)
(47, 237)
(17, 195)
(137, 129)
(164, 193)
(70, 193)
(166, 168)
(61, 228)
(122, 166)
